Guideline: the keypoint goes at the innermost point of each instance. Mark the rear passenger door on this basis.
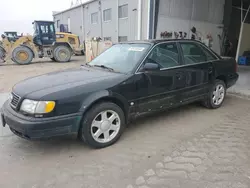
(198, 70)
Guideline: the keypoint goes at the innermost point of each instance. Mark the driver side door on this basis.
(158, 89)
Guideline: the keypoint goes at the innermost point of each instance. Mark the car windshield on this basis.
(121, 57)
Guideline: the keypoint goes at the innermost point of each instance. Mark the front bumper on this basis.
(38, 128)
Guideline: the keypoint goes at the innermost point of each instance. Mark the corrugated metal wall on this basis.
(182, 15)
(197, 10)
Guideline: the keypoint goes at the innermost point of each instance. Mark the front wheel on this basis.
(102, 125)
(22, 55)
(216, 96)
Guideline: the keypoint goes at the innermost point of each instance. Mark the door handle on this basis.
(210, 70)
(178, 76)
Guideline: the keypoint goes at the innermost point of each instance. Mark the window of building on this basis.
(107, 15)
(107, 38)
(94, 18)
(122, 38)
(165, 55)
(123, 11)
(57, 23)
(193, 53)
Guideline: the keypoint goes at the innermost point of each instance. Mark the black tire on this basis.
(84, 133)
(22, 55)
(53, 59)
(59, 50)
(209, 103)
(2, 55)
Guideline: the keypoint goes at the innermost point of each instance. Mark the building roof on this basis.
(77, 6)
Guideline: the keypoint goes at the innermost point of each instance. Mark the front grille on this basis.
(15, 100)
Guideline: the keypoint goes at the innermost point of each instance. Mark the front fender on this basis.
(103, 95)
(92, 98)
(55, 44)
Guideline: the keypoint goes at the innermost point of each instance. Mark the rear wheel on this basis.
(22, 55)
(216, 96)
(102, 125)
(62, 54)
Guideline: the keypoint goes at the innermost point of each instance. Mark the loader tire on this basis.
(22, 55)
(62, 54)
(2, 54)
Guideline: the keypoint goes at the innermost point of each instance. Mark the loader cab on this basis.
(44, 33)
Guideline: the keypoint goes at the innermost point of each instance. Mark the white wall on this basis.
(175, 24)
(182, 15)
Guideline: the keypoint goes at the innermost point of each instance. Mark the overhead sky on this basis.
(17, 15)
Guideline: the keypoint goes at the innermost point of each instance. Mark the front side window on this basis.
(121, 57)
(107, 15)
(94, 18)
(165, 55)
(193, 53)
(123, 11)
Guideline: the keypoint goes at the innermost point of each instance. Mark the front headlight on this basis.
(37, 107)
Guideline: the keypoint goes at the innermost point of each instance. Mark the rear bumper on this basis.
(232, 80)
(38, 128)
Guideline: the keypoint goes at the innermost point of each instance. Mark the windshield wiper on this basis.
(85, 65)
(104, 67)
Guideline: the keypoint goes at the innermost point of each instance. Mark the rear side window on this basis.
(210, 56)
(194, 53)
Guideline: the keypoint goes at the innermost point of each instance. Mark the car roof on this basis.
(156, 41)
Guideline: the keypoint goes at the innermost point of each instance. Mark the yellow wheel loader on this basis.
(44, 43)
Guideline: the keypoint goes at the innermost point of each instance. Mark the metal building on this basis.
(121, 20)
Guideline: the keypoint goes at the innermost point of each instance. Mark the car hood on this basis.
(70, 77)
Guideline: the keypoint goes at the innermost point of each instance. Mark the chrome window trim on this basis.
(178, 41)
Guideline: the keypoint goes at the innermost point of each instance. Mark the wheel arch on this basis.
(105, 96)
(222, 78)
(62, 44)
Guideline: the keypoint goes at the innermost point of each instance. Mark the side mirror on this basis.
(151, 67)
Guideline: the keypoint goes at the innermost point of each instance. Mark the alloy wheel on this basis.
(105, 126)
(218, 94)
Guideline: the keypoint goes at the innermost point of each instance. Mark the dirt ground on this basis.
(12, 73)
